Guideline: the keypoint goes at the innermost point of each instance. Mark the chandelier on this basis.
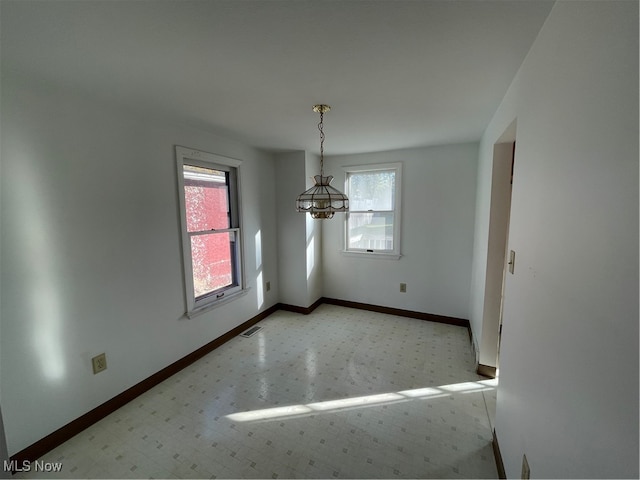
(322, 200)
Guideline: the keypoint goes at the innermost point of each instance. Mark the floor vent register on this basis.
(251, 331)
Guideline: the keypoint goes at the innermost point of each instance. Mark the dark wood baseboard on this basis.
(486, 371)
(302, 310)
(498, 456)
(460, 322)
(54, 439)
(51, 441)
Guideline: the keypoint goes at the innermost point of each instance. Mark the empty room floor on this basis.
(339, 393)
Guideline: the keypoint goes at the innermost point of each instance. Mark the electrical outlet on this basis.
(267, 286)
(99, 363)
(403, 287)
(526, 471)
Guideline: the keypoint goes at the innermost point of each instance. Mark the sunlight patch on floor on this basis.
(362, 401)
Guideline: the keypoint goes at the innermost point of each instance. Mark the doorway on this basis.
(509, 257)
(497, 250)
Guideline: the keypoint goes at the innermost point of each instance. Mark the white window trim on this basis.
(389, 255)
(208, 160)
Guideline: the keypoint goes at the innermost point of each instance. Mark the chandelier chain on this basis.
(320, 126)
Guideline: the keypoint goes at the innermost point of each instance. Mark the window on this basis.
(211, 236)
(373, 221)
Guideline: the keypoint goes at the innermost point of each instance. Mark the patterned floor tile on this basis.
(339, 393)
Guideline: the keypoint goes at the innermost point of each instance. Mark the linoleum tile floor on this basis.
(339, 393)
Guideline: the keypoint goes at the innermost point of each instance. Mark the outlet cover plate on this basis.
(99, 363)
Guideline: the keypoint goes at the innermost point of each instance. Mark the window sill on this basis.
(210, 306)
(377, 256)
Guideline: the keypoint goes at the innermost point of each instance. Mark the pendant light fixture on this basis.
(322, 200)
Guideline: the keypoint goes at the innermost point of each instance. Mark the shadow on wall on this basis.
(4, 454)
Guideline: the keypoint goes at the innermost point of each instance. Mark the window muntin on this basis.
(211, 227)
(372, 224)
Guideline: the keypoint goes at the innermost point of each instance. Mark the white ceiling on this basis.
(397, 74)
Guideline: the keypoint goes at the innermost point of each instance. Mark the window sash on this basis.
(371, 231)
(372, 189)
(207, 198)
(208, 276)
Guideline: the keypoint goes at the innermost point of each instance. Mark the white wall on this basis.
(91, 256)
(438, 203)
(299, 236)
(313, 245)
(568, 395)
(290, 175)
(4, 453)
